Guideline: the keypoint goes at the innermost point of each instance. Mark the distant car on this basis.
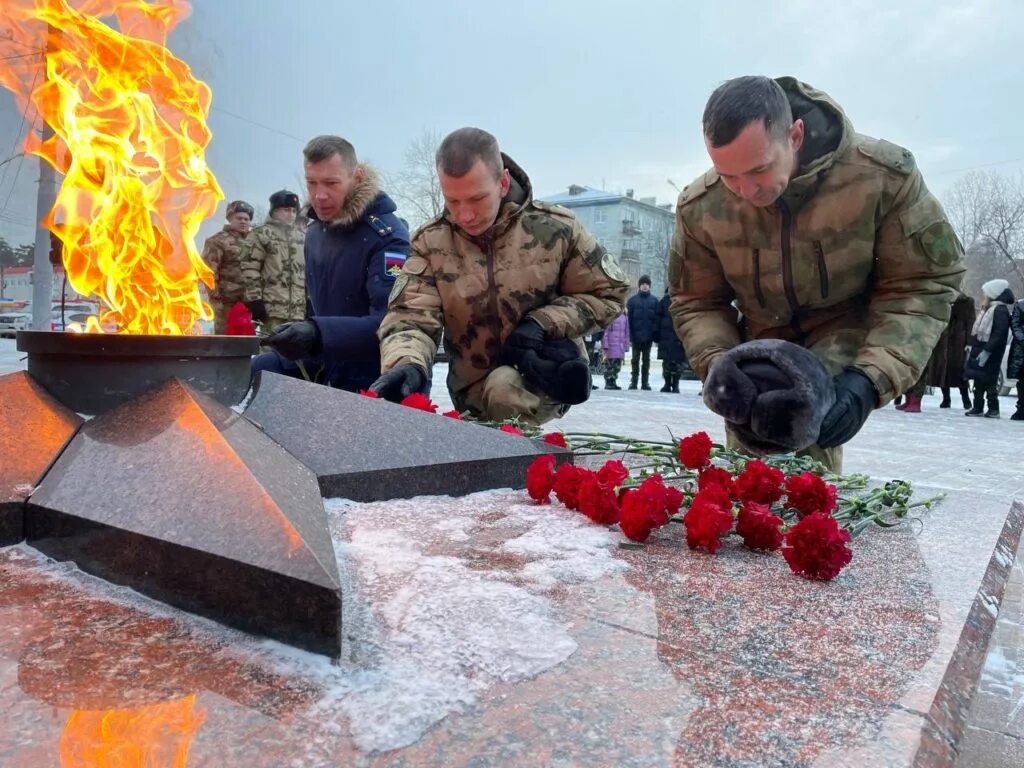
(73, 312)
(12, 322)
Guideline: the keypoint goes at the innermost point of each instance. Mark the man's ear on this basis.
(359, 174)
(796, 134)
(506, 182)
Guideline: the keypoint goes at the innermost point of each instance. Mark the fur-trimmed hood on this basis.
(360, 198)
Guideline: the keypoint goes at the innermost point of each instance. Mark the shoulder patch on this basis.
(697, 187)
(393, 263)
(890, 155)
(380, 226)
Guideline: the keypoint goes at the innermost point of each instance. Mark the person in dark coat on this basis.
(945, 369)
(670, 348)
(355, 248)
(988, 343)
(1015, 363)
(642, 310)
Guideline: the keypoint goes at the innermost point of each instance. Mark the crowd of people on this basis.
(812, 279)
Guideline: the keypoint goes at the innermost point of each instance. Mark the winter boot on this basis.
(978, 409)
(1018, 415)
(667, 386)
(946, 402)
(992, 413)
(645, 384)
(675, 383)
(965, 395)
(611, 384)
(903, 402)
(632, 383)
(913, 404)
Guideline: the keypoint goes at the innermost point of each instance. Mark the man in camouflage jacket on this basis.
(809, 232)
(503, 277)
(274, 266)
(221, 254)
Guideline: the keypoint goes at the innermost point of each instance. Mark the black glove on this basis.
(296, 341)
(258, 310)
(400, 382)
(564, 382)
(856, 397)
(528, 336)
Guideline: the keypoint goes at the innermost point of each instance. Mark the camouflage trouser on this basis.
(832, 458)
(671, 368)
(611, 370)
(504, 395)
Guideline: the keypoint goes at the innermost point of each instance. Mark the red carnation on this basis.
(706, 522)
(673, 500)
(555, 438)
(540, 477)
(656, 496)
(695, 450)
(369, 393)
(567, 484)
(715, 476)
(597, 501)
(759, 483)
(635, 518)
(420, 402)
(815, 547)
(511, 430)
(759, 527)
(239, 321)
(453, 414)
(613, 473)
(807, 493)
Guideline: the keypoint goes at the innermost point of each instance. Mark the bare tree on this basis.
(987, 211)
(415, 187)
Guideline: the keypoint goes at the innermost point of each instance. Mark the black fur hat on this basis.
(773, 393)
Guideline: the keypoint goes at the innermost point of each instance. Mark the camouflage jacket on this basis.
(274, 269)
(221, 254)
(856, 261)
(535, 262)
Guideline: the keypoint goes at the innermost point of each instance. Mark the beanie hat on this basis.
(993, 288)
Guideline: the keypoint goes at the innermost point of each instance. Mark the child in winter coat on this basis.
(614, 347)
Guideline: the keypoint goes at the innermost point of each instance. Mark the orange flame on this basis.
(157, 736)
(130, 136)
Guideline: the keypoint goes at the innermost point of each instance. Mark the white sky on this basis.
(600, 93)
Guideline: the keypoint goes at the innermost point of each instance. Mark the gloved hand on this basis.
(983, 357)
(856, 397)
(258, 310)
(400, 382)
(565, 381)
(296, 341)
(528, 336)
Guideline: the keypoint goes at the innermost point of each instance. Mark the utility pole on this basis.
(46, 195)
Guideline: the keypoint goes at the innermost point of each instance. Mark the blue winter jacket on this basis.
(350, 270)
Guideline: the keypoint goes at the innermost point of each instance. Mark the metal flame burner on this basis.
(91, 373)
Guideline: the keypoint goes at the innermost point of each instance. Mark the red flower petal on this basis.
(815, 547)
(420, 402)
(807, 493)
(759, 527)
(597, 500)
(695, 450)
(540, 477)
(759, 483)
(613, 473)
(511, 429)
(555, 438)
(453, 414)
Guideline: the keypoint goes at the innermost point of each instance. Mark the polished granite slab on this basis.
(485, 630)
(183, 499)
(34, 428)
(370, 450)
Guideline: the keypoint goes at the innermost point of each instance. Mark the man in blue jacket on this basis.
(355, 248)
(642, 311)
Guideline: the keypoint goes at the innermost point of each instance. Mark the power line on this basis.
(17, 135)
(258, 125)
(20, 56)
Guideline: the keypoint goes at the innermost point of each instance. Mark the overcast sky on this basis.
(599, 93)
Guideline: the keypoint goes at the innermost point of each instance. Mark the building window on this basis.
(600, 216)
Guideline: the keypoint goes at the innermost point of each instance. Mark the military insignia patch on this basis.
(393, 263)
(611, 268)
(396, 291)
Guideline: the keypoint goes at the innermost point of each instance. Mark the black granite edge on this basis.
(239, 595)
(429, 479)
(67, 344)
(945, 722)
(12, 522)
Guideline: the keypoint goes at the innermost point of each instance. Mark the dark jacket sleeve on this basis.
(355, 337)
(1017, 321)
(1000, 328)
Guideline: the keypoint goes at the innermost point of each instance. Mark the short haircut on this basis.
(462, 148)
(325, 147)
(737, 103)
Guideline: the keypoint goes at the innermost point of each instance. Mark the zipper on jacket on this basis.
(758, 291)
(787, 261)
(822, 268)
